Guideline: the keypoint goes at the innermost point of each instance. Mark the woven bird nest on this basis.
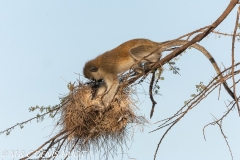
(91, 126)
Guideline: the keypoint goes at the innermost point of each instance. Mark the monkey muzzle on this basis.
(96, 83)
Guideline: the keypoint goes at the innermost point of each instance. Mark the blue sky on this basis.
(44, 42)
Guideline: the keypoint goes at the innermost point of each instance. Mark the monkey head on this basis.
(91, 71)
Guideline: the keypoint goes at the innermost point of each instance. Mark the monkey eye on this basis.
(93, 69)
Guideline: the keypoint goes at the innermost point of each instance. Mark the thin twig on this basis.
(225, 34)
(29, 120)
(151, 94)
(233, 60)
(29, 155)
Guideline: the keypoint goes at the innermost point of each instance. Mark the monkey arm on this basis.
(112, 86)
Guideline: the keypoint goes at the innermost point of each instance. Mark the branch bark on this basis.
(197, 38)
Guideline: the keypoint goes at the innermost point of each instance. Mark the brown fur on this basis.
(108, 65)
(118, 56)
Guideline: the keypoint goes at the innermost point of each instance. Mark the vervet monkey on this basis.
(108, 65)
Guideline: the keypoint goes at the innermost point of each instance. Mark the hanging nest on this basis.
(90, 126)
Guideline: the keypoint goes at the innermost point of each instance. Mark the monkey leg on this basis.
(146, 53)
(138, 68)
(148, 66)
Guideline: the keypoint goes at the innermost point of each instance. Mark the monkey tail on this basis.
(169, 44)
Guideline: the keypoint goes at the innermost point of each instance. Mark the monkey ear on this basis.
(93, 69)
